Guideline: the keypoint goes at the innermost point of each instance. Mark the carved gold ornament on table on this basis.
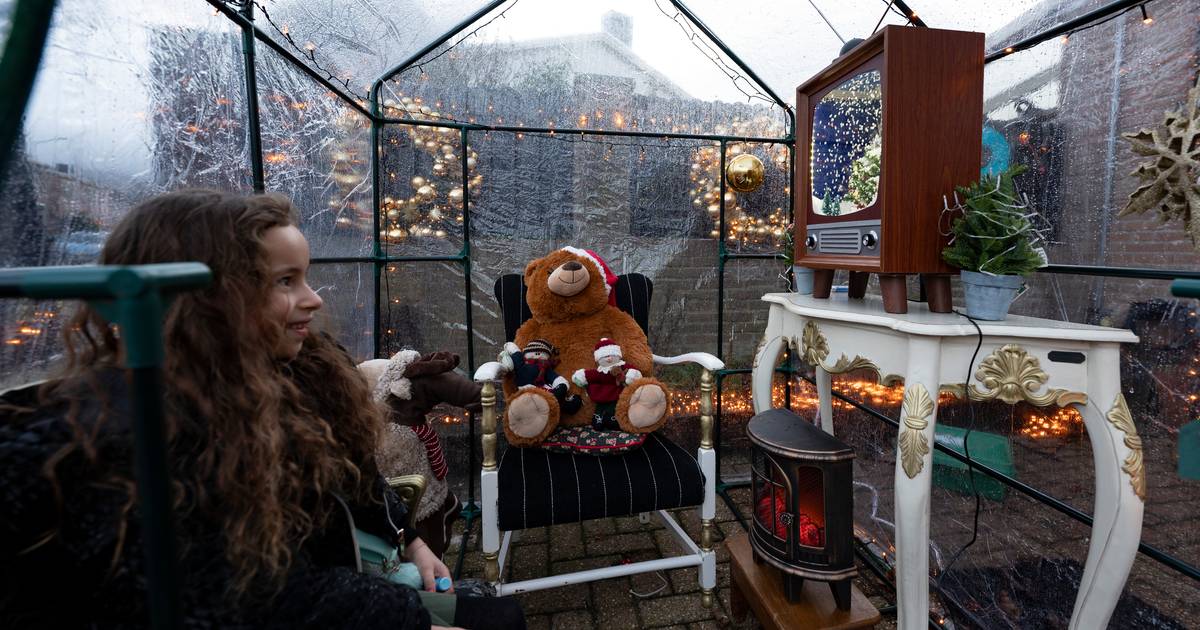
(814, 350)
(918, 406)
(1012, 375)
(1120, 418)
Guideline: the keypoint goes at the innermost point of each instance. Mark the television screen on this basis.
(846, 146)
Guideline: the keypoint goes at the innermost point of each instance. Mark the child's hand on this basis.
(429, 565)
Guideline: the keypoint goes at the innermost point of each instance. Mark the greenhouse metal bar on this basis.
(265, 38)
(909, 14)
(737, 60)
(376, 208)
(455, 30)
(134, 298)
(1120, 6)
(470, 511)
(254, 128)
(1144, 273)
(576, 131)
(18, 68)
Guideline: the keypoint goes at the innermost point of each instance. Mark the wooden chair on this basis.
(525, 488)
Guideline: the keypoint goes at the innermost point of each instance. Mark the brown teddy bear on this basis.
(569, 293)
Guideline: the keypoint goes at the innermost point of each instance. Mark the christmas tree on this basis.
(994, 234)
(830, 206)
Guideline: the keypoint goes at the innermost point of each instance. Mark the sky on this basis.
(89, 107)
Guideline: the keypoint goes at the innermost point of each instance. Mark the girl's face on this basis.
(290, 302)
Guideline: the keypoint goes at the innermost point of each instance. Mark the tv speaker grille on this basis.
(845, 241)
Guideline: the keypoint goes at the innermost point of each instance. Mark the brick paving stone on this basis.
(686, 580)
(583, 564)
(650, 585)
(620, 543)
(572, 620)
(566, 542)
(628, 524)
(599, 527)
(537, 622)
(552, 600)
(675, 609)
(528, 562)
(535, 535)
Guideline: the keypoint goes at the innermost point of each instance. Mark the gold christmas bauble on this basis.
(744, 173)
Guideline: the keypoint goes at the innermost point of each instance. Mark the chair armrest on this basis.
(703, 359)
(490, 371)
(410, 488)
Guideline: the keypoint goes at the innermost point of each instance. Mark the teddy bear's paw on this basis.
(528, 415)
(648, 405)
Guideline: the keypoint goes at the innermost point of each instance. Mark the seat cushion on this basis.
(538, 487)
(585, 440)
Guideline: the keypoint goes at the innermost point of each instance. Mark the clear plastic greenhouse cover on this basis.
(136, 98)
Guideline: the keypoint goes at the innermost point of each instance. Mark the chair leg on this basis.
(707, 458)
(489, 526)
(708, 527)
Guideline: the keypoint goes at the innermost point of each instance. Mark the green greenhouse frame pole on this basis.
(377, 206)
(254, 126)
(237, 18)
(135, 298)
(19, 67)
(737, 60)
(445, 37)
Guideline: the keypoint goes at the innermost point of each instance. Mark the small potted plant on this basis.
(993, 242)
(802, 277)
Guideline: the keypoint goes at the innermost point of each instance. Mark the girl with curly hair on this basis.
(271, 438)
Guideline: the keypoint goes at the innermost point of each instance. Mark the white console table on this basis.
(1040, 361)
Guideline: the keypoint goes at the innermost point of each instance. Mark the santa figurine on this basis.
(605, 382)
(534, 367)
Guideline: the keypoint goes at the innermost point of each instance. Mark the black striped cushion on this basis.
(541, 488)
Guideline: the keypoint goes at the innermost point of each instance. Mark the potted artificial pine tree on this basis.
(993, 243)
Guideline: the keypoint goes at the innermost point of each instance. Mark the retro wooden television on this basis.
(882, 134)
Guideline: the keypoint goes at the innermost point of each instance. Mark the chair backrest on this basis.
(633, 291)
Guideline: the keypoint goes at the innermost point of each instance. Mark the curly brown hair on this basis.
(255, 443)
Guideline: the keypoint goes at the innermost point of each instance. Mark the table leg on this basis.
(1120, 491)
(825, 399)
(914, 474)
(764, 372)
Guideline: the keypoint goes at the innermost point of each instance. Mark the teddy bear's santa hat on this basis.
(610, 279)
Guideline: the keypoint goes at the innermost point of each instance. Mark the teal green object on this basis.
(381, 558)
(989, 449)
(998, 152)
(1184, 287)
(1189, 450)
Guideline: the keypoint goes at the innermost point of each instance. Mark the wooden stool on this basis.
(760, 587)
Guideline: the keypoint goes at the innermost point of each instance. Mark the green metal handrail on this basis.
(135, 299)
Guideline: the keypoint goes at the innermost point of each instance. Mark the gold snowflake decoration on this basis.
(1169, 180)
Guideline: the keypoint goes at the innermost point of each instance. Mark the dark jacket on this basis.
(70, 580)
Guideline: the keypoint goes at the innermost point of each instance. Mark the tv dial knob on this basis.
(870, 239)
(810, 241)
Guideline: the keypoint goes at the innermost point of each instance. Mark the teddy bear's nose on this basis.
(571, 265)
